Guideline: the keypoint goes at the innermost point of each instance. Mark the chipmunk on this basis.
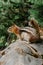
(26, 33)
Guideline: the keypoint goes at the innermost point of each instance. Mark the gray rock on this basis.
(18, 54)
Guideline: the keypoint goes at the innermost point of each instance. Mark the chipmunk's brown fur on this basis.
(22, 33)
(35, 33)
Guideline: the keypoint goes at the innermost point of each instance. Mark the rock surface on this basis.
(18, 54)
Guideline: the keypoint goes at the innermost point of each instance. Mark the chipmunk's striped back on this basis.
(26, 33)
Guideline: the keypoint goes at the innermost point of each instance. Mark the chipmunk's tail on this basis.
(35, 24)
(39, 29)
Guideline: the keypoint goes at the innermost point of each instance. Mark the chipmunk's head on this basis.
(13, 29)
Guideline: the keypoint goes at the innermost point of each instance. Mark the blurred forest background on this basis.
(18, 12)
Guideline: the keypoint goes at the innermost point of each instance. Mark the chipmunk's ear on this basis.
(16, 26)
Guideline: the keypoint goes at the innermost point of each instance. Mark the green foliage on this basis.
(17, 11)
(37, 13)
(2, 41)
